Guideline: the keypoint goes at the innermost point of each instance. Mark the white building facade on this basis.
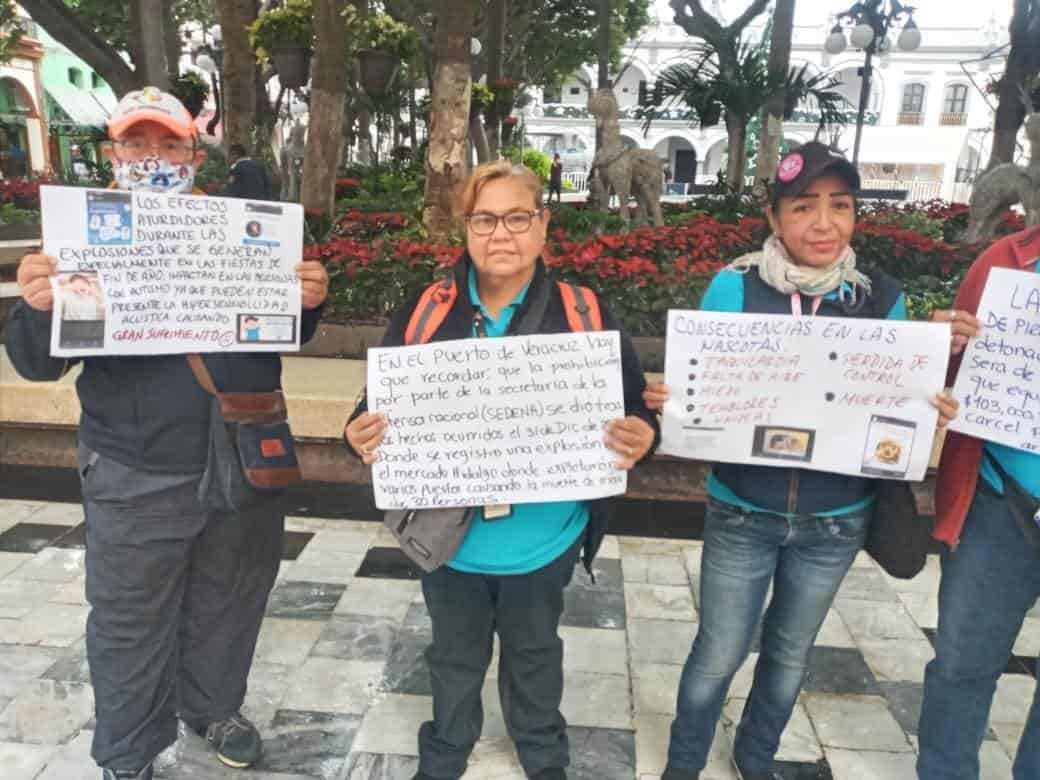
(928, 128)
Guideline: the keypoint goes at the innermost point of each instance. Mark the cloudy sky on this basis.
(930, 13)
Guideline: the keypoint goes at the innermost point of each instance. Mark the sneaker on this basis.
(237, 741)
(671, 773)
(551, 773)
(127, 774)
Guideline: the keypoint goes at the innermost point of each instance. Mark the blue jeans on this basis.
(806, 558)
(988, 585)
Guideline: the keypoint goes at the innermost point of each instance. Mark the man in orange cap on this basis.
(177, 593)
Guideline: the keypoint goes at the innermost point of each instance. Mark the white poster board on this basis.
(148, 273)
(480, 422)
(998, 383)
(831, 394)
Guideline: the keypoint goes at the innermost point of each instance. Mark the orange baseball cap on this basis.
(152, 105)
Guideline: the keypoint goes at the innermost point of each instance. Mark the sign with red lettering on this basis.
(844, 395)
(998, 384)
(143, 273)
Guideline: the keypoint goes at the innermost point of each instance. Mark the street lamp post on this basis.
(870, 22)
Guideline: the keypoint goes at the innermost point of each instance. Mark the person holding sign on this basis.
(514, 562)
(177, 592)
(987, 512)
(792, 528)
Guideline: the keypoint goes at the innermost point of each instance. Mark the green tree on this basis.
(11, 30)
(738, 83)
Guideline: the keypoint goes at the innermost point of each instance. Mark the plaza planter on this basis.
(378, 69)
(293, 65)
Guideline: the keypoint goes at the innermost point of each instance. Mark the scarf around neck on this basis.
(782, 274)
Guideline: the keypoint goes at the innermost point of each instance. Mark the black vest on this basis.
(801, 491)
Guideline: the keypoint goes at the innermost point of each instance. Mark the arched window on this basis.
(955, 105)
(912, 110)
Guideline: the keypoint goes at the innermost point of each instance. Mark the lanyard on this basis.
(479, 327)
(796, 304)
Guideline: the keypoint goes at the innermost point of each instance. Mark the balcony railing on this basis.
(953, 119)
(910, 118)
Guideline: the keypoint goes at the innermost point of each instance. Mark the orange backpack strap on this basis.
(431, 310)
(581, 307)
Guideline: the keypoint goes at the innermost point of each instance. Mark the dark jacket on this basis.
(248, 178)
(801, 491)
(145, 412)
(459, 325)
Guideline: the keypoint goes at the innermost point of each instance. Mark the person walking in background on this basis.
(556, 178)
(247, 178)
(177, 592)
(793, 529)
(510, 572)
(987, 513)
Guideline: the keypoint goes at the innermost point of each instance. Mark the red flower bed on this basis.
(642, 273)
(23, 193)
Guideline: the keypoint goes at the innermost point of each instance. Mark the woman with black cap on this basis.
(793, 529)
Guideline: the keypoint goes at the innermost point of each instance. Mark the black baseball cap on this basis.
(800, 168)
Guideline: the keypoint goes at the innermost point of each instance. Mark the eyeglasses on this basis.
(138, 148)
(484, 223)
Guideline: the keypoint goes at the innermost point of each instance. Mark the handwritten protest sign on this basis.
(998, 384)
(832, 394)
(505, 421)
(149, 273)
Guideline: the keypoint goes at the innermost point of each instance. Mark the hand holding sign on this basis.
(34, 281)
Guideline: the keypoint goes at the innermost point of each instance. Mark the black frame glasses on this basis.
(516, 222)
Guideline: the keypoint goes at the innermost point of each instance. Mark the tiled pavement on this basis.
(339, 685)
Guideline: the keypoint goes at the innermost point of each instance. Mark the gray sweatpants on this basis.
(177, 596)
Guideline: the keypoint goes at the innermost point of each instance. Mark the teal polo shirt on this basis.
(726, 294)
(1022, 465)
(533, 535)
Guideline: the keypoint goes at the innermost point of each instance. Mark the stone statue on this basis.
(999, 188)
(635, 172)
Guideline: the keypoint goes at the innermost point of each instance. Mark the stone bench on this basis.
(38, 426)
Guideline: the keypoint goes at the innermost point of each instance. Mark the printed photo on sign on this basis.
(889, 445)
(110, 218)
(266, 329)
(784, 443)
(81, 302)
(263, 224)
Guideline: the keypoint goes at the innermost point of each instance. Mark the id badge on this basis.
(497, 511)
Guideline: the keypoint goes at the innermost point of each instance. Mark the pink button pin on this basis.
(790, 167)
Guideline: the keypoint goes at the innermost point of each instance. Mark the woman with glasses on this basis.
(509, 574)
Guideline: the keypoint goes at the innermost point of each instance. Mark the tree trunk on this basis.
(447, 160)
(413, 137)
(773, 114)
(328, 91)
(480, 141)
(498, 12)
(239, 75)
(736, 130)
(1023, 63)
(152, 67)
(67, 28)
(172, 41)
(603, 46)
(365, 154)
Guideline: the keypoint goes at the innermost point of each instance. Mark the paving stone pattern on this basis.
(340, 687)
